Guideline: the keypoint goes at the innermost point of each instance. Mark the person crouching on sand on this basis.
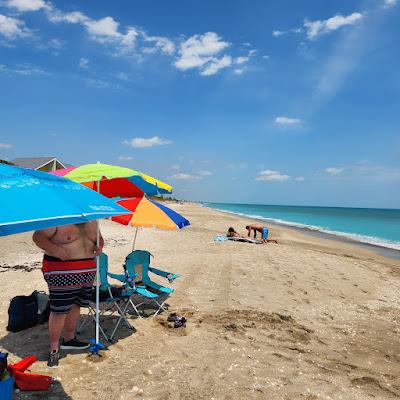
(262, 229)
(69, 268)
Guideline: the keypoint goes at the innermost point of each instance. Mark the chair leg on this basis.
(93, 315)
(134, 307)
(160, 307)
(83, 322)
(122, 317)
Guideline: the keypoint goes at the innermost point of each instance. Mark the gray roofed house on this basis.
(45, 164)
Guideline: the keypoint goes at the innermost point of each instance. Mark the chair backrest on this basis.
(137, 262)
(103, 269)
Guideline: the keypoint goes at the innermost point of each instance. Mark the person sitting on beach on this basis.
(69, 268)
(262, 229)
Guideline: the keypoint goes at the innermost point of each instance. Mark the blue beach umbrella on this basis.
(32, 200)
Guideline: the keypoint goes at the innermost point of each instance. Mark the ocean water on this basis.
(368, 225)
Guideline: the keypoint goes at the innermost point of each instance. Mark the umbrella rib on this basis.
(56, 217)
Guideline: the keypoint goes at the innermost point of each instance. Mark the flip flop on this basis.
(172, 317)
(180, 322)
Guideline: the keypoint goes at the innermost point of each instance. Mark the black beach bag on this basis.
(27, 311)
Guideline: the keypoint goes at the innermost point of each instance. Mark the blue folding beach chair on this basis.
(137, 268)
(112, 299)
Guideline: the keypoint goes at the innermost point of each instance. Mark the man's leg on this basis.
(83, 295)
(56, 325)
(71, 322)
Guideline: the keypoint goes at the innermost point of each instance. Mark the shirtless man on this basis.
(262, 229)
(69, 268)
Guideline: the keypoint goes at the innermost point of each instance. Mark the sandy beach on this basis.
(309, 318)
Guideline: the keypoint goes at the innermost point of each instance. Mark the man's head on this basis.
(247, 227)
(231, 230)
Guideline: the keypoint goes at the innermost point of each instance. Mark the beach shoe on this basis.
(54, 356)
(74, 344)
(172, 317)
(180, 322)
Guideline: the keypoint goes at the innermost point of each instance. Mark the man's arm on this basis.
(99, 249)
(92, 234)
(42, 239)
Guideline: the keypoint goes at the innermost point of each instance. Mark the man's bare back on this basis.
(69, 242)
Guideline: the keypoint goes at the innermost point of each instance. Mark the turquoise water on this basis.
(369, 225)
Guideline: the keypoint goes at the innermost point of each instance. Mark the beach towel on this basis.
(223, 238)
(244, 240)
(220, 238)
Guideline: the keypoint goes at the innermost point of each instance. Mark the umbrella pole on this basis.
(134, 240)
(97, 345)
(97, 284)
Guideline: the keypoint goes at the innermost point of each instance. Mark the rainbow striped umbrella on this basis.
(145, 213)
(115, 181)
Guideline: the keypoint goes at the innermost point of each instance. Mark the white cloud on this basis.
(26, 5)
(84, 63)
(186, 177)
(367, 173)
(162, 44)
(122, 76)
(199, 51)
(273, 176)
(125, 158)
(205, 173)
(146, 142)
(334, 170)
(105, 27)
(175, 167)
(55, 43)
(97, 83)
(277, 33)
(216, 64)
(287, 121)
(375, 173)
(74, 17)
(23, 69)
(320, 27)
(105, 30)
(389, 3)
(241, 60)
(299, 178)
(5, 146)
(238, 71)
(13, 28)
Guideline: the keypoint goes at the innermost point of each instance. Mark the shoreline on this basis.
(378, 249)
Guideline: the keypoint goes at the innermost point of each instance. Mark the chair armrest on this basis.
(118, 277)
(169, 275)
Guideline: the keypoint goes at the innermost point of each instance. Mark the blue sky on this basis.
(269, 102)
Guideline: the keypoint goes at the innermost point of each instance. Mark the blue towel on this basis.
(220, 238)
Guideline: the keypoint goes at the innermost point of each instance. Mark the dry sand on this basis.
(309, 318)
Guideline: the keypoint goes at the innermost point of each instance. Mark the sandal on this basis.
(180, 322)
(172, 317)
